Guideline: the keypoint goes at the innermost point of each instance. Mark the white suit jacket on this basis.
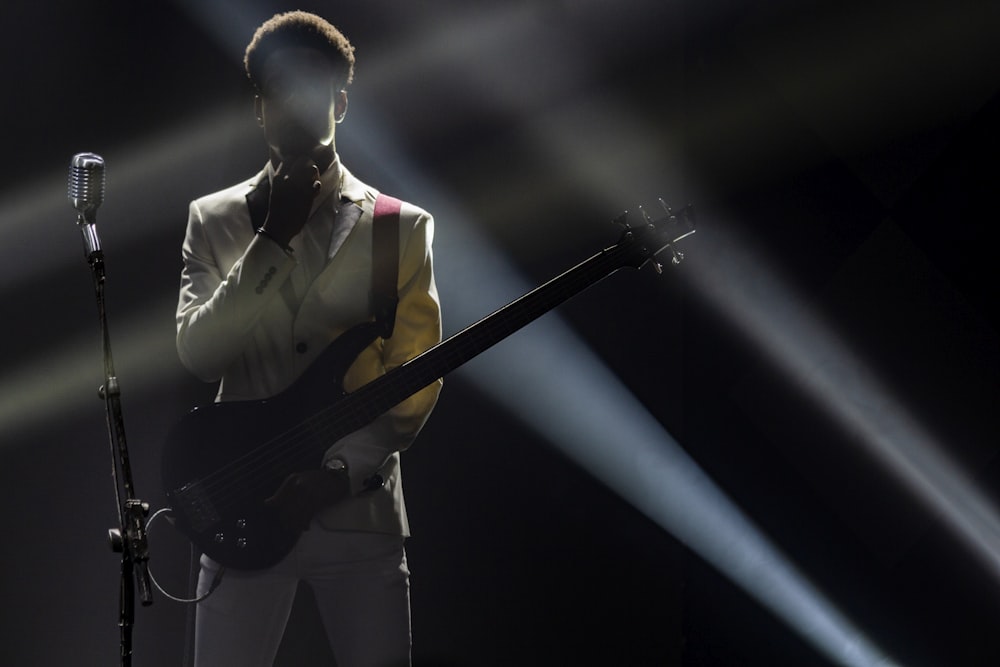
(239, 323)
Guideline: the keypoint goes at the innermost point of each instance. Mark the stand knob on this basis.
(115, 540)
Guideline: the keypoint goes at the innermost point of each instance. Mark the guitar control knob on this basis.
(242, 543)
(219, 538)
(241, 523)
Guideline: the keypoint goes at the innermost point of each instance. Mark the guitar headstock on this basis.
(654, 235)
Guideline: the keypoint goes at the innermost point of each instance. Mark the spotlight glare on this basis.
(585, 412)
(825, 368)
(607, 432)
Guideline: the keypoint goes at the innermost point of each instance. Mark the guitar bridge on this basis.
(192, 502)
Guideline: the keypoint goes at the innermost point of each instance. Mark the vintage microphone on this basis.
(86, 194)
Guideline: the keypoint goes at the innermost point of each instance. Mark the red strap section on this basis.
(386, 205)
(385, 261)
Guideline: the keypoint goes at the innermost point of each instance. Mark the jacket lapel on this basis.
(347, 219)
(257, 201)
(353, 217)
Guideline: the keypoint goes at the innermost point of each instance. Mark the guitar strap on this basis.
(385, 263)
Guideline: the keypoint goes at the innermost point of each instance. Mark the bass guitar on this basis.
(222, 460)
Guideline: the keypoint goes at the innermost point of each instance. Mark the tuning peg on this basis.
(622, 221)
(645, 215)
(658, 268)
(666, 207)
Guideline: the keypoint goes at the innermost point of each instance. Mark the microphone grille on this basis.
(86, 182)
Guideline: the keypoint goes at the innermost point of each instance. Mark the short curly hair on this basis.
(299, 28)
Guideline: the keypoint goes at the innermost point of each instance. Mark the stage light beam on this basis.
(739, 284)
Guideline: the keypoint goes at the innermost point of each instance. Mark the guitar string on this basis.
(256, 467)
(245, 471)
(256, 470)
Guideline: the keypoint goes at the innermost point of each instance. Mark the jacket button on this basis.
(301, 348)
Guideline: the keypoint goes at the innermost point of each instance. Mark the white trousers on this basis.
(361, 584)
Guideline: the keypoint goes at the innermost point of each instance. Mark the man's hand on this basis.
(303, 494)
(293, 189)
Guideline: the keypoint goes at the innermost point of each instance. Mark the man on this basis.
(259, 301)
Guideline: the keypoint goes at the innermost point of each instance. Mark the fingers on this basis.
(293, 191)
(302, 172)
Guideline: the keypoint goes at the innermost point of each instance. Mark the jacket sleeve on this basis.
(221, 301)
(417, 328)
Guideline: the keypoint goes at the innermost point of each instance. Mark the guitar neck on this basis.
(379, 396)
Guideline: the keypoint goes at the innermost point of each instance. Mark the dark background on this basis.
(854, 143)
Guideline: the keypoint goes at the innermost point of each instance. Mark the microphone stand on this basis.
(129, 539)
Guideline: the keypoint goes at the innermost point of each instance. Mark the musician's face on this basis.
(300, 102)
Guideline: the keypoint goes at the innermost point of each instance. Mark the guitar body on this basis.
(223, 460)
